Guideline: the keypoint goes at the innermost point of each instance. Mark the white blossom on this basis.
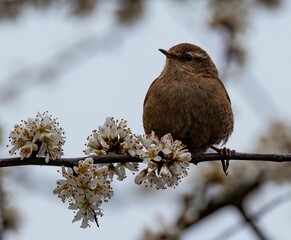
(152, 148)
(41, 136)
(167, 161)
(115, 137)
(141, 176)
(85, 188)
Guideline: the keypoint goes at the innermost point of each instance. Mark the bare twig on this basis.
(67, 162)
(255, 216)
(114, 158)
(252, 224)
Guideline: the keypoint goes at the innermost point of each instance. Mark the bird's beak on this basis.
(168, 54)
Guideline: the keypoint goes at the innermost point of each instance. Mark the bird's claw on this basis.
(225, 154)
(225, 165)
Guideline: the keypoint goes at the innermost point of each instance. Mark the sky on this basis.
(108, 74)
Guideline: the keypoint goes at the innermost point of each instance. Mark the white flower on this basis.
(86, 211)
(120, 169)
(85, 188)
(41, 136)
(115, 137)
(131, 145)
(167, 161)
(152, 148)
(165, 172)
(27, 149)
(141, 176)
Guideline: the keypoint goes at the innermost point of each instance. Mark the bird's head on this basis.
(190, 58)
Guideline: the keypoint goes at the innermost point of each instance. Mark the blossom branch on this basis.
(112, 150)
(121, 158)
(67, 162)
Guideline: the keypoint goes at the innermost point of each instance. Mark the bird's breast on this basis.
(196, 111)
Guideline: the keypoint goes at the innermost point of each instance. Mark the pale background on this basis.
(110, 77)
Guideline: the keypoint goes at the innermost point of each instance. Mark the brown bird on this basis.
(189, 101)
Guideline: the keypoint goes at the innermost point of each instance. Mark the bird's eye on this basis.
(188, 58)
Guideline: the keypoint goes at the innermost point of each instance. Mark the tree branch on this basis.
(252, 224)
(270, 206)
(194, 212)
(119, 158)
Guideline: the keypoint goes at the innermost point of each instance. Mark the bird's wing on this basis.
(147, 95)
(224, 89)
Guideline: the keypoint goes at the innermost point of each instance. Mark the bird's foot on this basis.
(225, 154)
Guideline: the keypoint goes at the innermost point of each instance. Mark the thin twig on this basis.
(119, 158)
(243, 156)
(250, 221)
(262, 211)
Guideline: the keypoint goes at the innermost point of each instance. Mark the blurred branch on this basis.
(114, 158)
(214, 193)
(11, 9)
(255, 216)
(251, 223)
(59, 64)
(198, 206)
(217, 203)
(127, 11)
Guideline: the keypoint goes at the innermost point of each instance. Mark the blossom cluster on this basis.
(115, 137)
(85, 188)
(167, 161)
(41, 136)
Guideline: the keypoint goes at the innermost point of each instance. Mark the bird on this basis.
(189, 101)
